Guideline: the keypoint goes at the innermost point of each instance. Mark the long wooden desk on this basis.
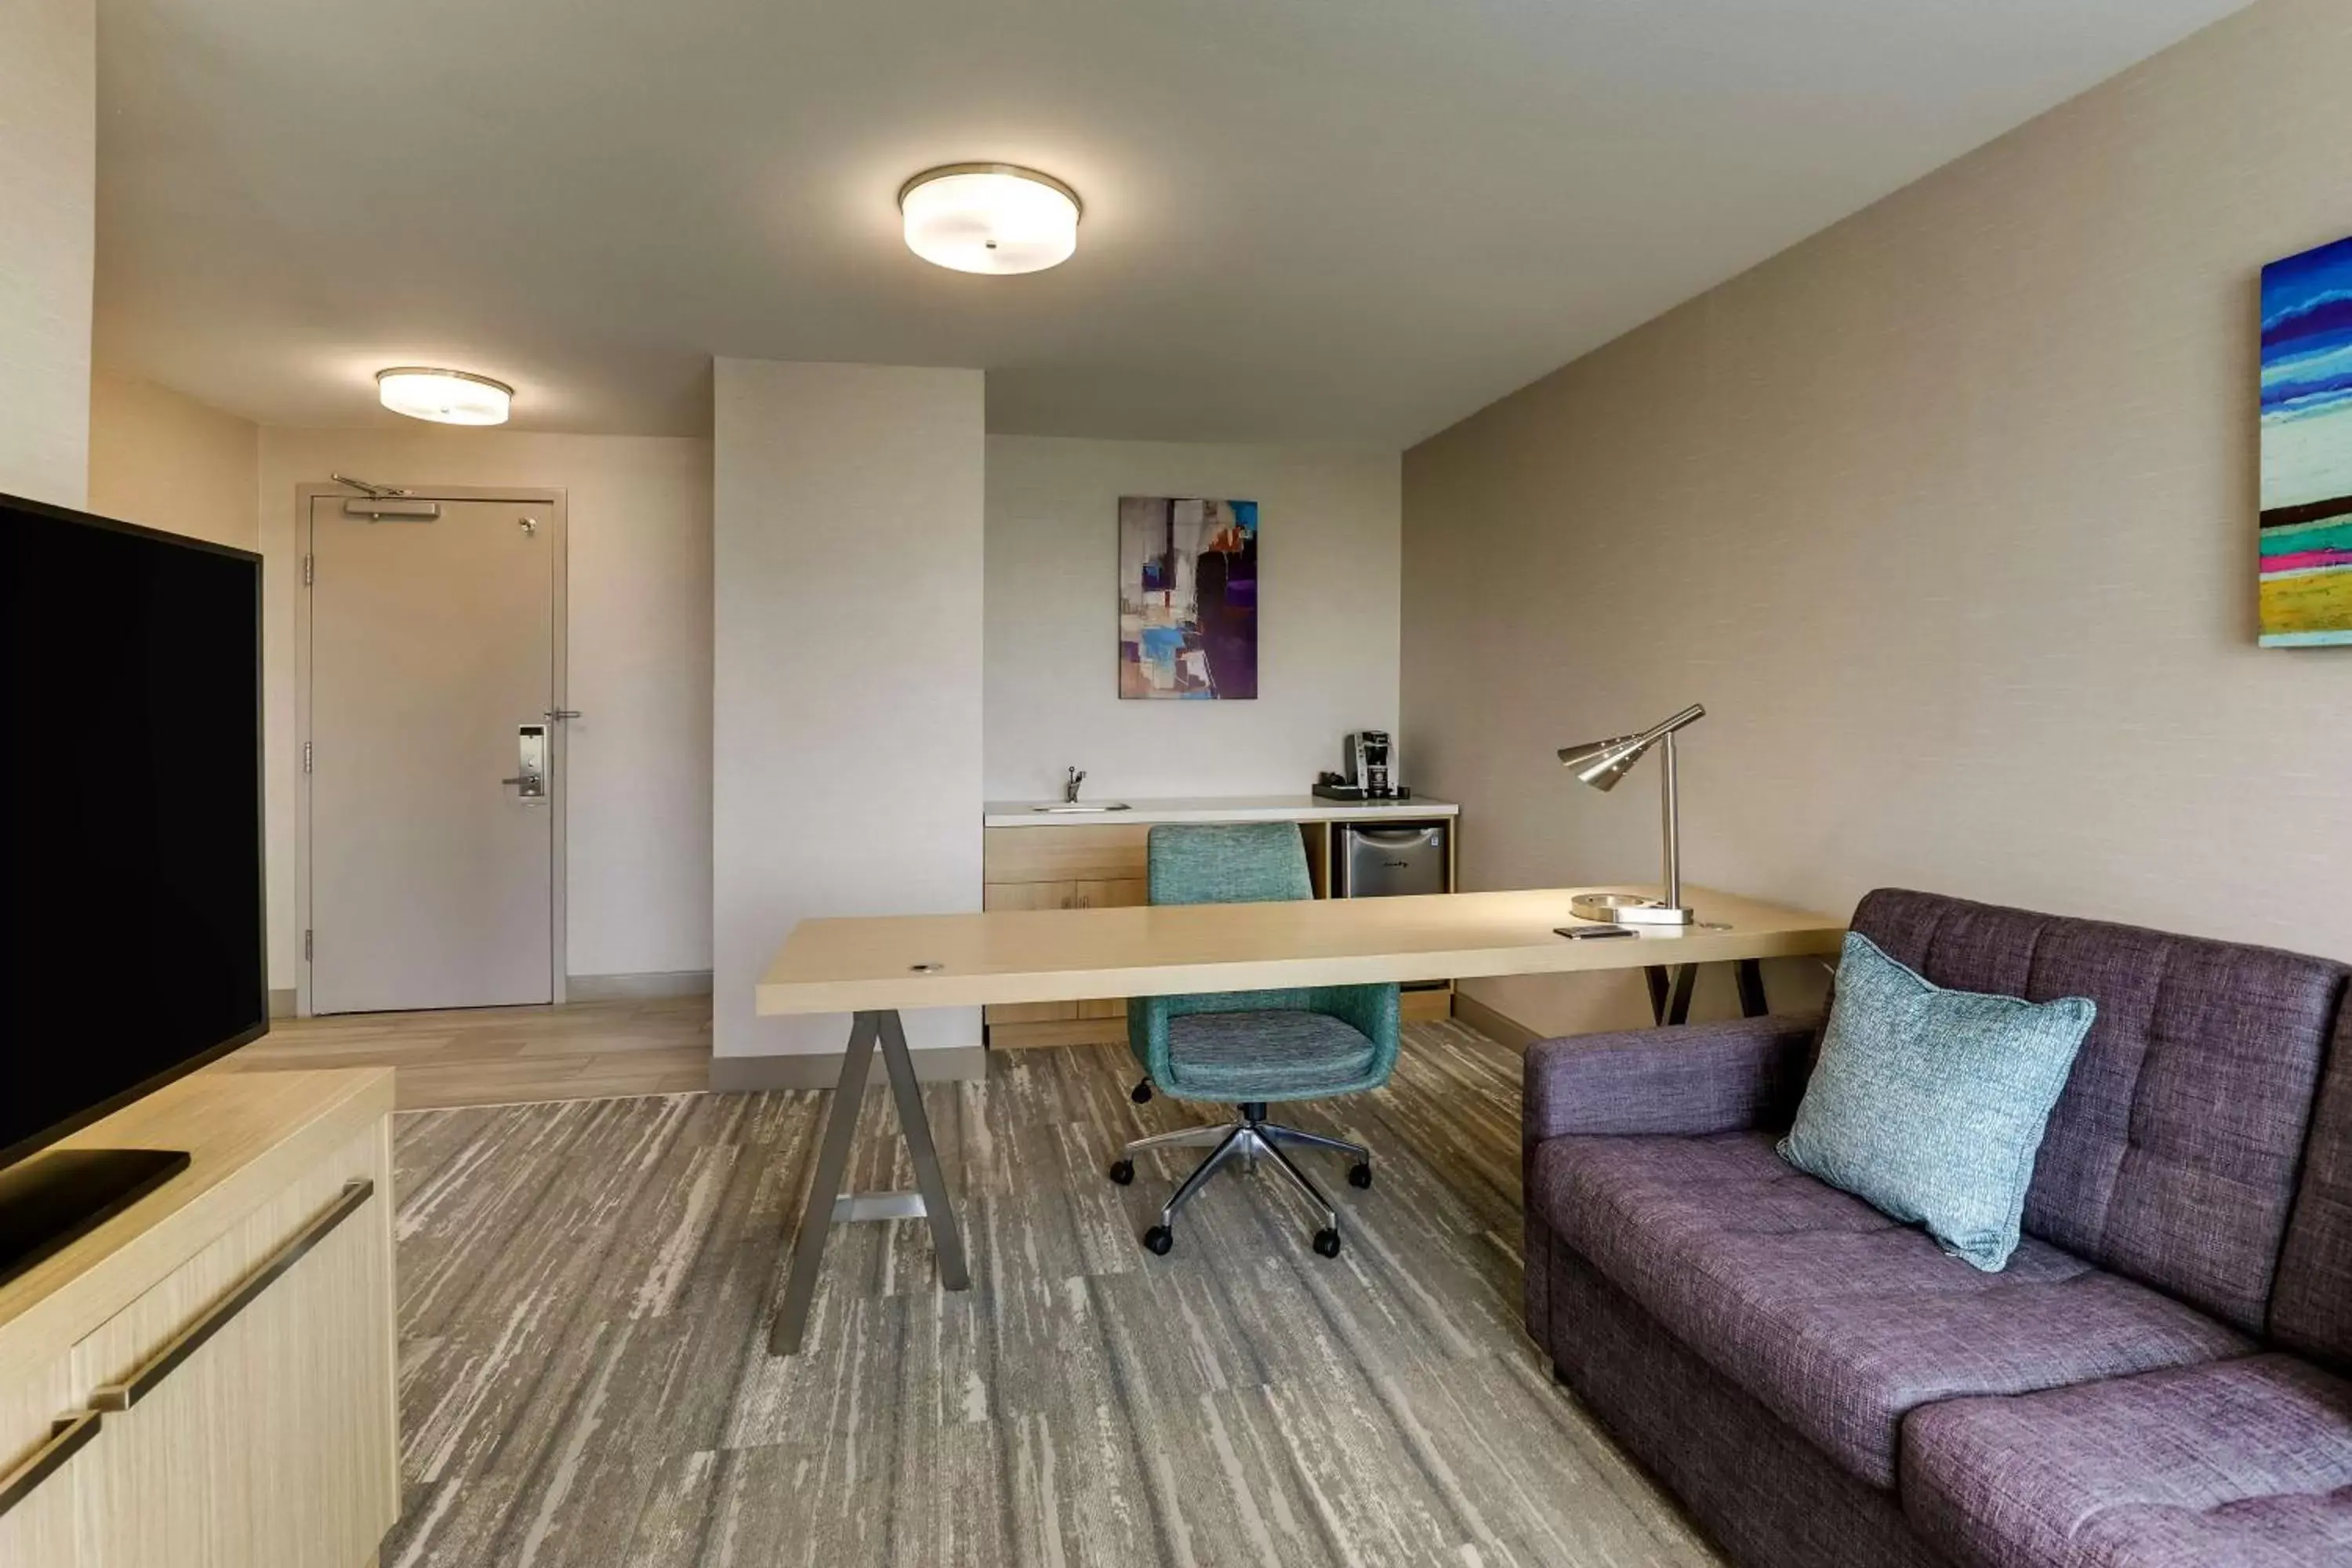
(877, 967)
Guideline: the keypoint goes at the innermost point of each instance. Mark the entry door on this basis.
(433, 668)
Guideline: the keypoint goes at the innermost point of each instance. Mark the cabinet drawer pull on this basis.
(66, 1439)
(141, 1384)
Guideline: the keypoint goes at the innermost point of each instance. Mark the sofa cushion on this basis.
(2171, 1156)
(1832, 1315)
(2311, 1307)
(2243, 1464)
(1928, 1104)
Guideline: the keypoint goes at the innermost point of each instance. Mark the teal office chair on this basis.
(1250, 1048)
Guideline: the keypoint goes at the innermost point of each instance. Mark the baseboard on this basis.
(1493, 1025)
(821, 1070)
(282, 1003)
(637, 987)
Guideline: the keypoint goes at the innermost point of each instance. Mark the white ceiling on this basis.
(1306, 219)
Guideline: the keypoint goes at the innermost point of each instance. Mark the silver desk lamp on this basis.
(1602, 764)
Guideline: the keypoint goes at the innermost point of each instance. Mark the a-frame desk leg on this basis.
(1670, 990)
(828, 1206)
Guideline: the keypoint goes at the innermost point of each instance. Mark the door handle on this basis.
(127, 1392)
(68, 1434)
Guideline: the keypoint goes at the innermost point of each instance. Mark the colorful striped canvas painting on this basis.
(2306, 535)
(1187, 599)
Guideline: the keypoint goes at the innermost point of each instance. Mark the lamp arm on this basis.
(1669, 813)
(1665, 727)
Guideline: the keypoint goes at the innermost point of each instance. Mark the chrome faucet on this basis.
(1070, 789)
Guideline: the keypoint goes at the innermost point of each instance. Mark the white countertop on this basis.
(1219, 808)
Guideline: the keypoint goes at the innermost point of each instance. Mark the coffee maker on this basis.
(1371, 771)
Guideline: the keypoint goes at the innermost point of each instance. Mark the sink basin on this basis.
(1082, 808)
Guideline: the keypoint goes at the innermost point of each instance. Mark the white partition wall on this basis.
(848, 505)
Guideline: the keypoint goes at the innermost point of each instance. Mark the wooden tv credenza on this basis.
(210, 1377)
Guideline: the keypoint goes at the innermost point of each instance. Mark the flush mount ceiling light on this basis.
(443, 396)
(990, 218)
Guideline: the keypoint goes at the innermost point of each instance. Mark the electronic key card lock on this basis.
(531, 774)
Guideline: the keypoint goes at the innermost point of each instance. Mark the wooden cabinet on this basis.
(44, 1461)
(1105, 866)
(1089, 867)
(232, 1335)
(1090, 852)
(1086, 893)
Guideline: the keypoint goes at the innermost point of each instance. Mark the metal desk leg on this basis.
(1670, 993)
(946, 1239)
(1752, 1004)
(1670, 990)
(816, 1214)
(827, 1205)
(1679, 1004)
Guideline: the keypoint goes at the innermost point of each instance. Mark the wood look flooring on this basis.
(585, 1290)
(499, 1056)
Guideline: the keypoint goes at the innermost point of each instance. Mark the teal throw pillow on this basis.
(1930, 1104)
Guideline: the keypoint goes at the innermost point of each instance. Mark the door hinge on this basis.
(310, 570)
(306, 947)
(306, 756)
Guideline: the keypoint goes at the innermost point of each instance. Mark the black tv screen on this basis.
(131, 842)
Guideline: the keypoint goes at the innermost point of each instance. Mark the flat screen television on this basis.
(130, 846)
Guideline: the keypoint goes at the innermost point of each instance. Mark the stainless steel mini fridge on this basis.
(1373, 861)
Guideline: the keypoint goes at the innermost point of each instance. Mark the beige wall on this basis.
(1947, 514)
(48, 195)
(638, 596)
(161, 459)
(1328, 581)
(848, 504)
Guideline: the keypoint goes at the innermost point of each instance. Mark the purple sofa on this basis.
(2157, 1380)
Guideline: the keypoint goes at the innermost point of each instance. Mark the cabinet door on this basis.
(1081, 893)
(273, 1442)
(1057, 853)
(1027, 896)
(47, 1474)
(1108, 893)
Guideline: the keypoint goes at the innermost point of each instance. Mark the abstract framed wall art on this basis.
(1187, 599)
(2306, 534)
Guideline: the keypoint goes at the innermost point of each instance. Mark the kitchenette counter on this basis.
(1217, 808)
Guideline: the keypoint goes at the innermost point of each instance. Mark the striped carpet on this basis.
(585, 1287)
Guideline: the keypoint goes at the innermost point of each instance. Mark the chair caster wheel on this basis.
(1140, 1093)
(1360, 1175)
(1327, 1242)
(1158, 1239)
(1123, 1172)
